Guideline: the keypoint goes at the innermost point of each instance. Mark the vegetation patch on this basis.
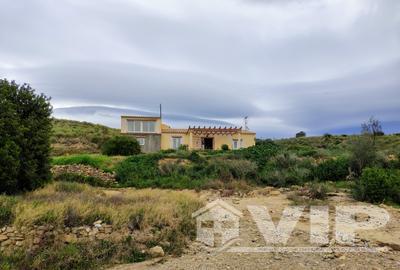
(378, 185)
(105, 163)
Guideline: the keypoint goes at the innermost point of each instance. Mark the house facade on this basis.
(153, 135)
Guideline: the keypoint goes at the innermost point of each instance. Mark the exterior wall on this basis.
(166, 139)
(248, 140)
(195, 143)
(124, 122)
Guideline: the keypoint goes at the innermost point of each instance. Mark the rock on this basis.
(37, 240)
(98, 226)
(98, 222)
(384, 249)
(70, 238)
(156, 252)
(3, 237)
(275, 193)
(19, 243)
(6, 243)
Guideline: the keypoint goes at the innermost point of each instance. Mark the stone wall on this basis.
(85, 170)
(31, 238)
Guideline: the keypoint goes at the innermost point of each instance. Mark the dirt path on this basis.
(198, 257)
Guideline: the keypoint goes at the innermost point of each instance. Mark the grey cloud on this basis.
(289, 65)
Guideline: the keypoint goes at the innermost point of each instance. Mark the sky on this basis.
(289, 65)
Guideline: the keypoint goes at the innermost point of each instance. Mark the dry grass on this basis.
(64, 203)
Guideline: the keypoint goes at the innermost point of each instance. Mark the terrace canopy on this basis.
(206, 131)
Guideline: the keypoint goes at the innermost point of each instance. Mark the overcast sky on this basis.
(313, 65)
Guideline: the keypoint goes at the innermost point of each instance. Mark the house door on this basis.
(208, 143)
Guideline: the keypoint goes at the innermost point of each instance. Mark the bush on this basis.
(121, 146)
(260, 153)
(136, 168)
(183, 147)
(226, 169)
(318, 191)
(363, 153)
(300, 134)
(377, 185)
(224, 147)
(25, 127)
(331, 170)
(284, 177)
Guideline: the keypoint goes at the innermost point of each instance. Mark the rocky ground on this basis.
(386, 240)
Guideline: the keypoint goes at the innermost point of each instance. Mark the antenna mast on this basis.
(160, 111)
(246, 123)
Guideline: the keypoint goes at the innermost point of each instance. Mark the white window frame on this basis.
(178, 144)
(233, 144)
(141, 141)
(143, 128)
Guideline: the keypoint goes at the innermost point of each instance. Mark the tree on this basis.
(25, 128)
(372, 128)
(300, 134)
(121, 145)
(363, 153)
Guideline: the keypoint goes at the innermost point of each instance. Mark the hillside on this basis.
(336, 145)
(73, 137)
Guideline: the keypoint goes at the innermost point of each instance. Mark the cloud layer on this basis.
(290, 65)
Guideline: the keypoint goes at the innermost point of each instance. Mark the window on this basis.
(235, 144)
(141, 126)
(176, 142)
(141, 141)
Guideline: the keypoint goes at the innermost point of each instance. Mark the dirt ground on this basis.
(197, 256)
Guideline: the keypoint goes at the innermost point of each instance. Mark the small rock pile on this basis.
(84, 170)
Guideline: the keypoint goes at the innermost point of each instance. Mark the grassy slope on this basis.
(159, 216)
(338, 145)
(74, 137)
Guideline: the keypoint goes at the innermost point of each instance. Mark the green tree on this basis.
(121, 145)
(25, 128)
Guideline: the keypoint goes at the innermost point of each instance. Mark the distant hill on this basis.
(72, 137)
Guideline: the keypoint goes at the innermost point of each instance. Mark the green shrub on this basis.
(260, 153)
(363, 153)
(283, 177)
(229, 169)
(7, 205)
(183, 147)
(121, 146)
(25, 128)
(378, 185)
(224, 147)
(140, 167)
(332, 170)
